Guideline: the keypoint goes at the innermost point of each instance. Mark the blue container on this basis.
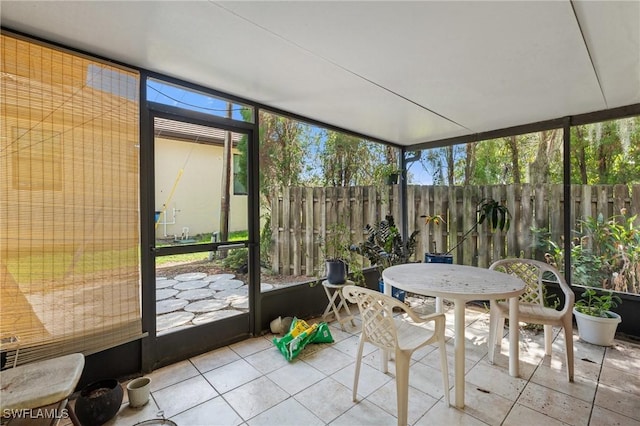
(395, 292)
(438, 258)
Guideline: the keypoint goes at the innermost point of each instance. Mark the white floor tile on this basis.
(187, 394)
(259, 387)
(255, 397)
(231, 376)
(215, 412)
(287, 413)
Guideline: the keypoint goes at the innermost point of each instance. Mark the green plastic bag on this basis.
(300, 335)
(322, 334)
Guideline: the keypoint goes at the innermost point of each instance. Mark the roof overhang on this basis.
(403, 72)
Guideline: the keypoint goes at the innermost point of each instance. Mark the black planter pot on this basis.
(438, 258)
(395, 292)
(99, 402)
(337, 271)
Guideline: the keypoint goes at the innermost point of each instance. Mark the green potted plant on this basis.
(335, 248)
(385, 247)
(496, 215)
(597, 324)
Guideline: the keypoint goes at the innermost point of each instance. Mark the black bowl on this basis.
(99, 402)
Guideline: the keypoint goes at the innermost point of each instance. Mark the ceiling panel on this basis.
(612, 32)
(480, 64)
(404, 72)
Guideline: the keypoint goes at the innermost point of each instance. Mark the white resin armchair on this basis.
(403, 333)
(532, 307)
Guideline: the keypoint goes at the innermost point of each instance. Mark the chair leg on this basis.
(567, 326)
(548, 339)
(358, 362)
(403, 359)
(445, 370)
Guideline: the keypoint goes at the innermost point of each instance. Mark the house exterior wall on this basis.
(189, 179)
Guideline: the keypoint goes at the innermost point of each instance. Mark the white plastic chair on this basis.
(532, 307)
(402, 333)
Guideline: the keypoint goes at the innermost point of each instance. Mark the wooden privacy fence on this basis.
(300, 217)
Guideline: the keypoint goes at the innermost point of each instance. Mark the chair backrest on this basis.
(535, 273)
(376, 312)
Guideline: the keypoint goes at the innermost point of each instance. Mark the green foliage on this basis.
(384, 246)
(606, 152)
(336, 245)
(496, 215)
(597, 305)
(236, 259)
(265, 241)
(347, 160)
(605, 254)
(283, 145)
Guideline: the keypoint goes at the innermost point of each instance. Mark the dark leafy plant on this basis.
(384, 245)
(597, 305)
(496, 215)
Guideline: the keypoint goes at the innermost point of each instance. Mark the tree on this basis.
(515, 158)
(606, 152)
(283, 144)
(347, 160)
(540, 168)
(470, 163)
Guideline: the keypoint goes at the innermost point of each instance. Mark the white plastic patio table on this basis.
(461, 284)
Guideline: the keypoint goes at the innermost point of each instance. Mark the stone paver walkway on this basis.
(196, 298)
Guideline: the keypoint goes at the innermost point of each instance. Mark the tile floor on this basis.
(251, 383)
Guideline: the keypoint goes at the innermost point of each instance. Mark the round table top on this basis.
(453, 281)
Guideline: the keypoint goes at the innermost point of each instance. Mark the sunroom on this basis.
(172, 172)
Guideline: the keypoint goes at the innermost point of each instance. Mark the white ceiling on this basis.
(403, 72)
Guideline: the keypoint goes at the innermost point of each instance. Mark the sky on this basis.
(168, 94)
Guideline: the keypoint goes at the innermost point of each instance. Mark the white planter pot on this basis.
(597, 330)
(138, 391)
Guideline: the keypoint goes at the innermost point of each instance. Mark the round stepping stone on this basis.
(231, 295)
(225, 285)
(214, 316)
(218, 277)
(190, 285)
(165, 283)
(170, 305)
(190, 276)
(240, 303)
(174, 319)
(265, 286)
(208, 305)
(197, 294)
(165, 293)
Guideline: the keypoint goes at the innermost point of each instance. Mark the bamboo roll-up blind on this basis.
(69, 201)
